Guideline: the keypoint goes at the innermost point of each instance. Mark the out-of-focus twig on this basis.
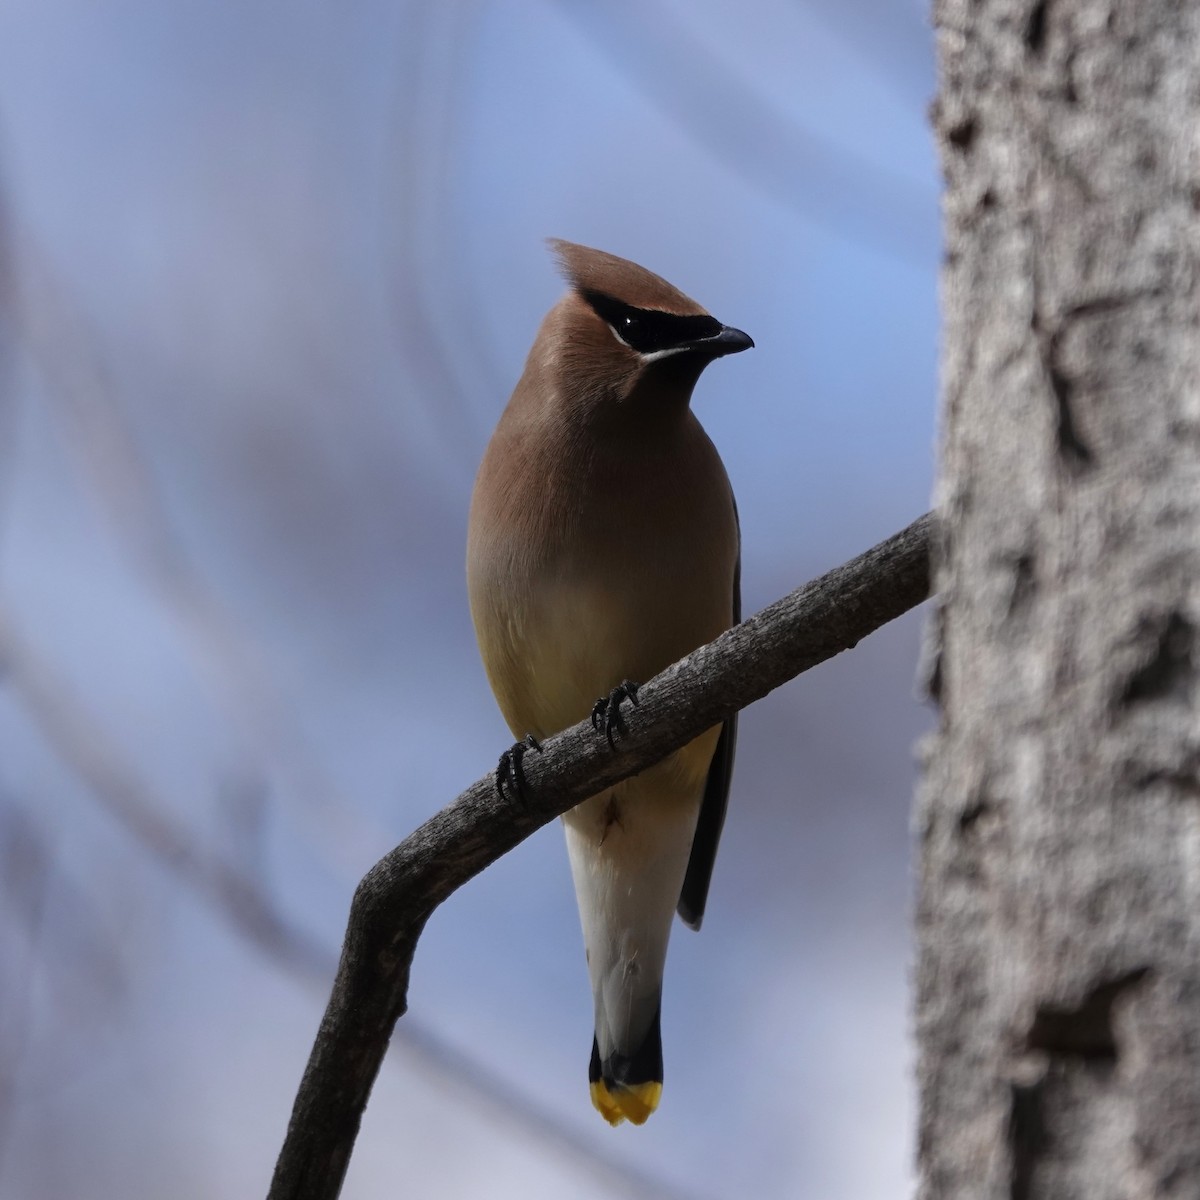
(119, 788)
(8, 338)
(25, 867)
(61, 969)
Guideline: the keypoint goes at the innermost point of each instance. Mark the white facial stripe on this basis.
(655, 355)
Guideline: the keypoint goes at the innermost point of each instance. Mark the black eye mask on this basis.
(648, 330)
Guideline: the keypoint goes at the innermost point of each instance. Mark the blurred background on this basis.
(268, 273)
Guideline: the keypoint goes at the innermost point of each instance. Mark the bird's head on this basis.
(624, 335)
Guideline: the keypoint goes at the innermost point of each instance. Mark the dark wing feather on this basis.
(694, 894)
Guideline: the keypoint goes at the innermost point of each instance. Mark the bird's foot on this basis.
(508, 771)
(606, 712)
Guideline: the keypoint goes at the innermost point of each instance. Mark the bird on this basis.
(603, 545)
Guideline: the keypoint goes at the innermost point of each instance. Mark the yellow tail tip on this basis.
(635, 1103)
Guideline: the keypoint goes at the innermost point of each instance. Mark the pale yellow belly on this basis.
(550, 656)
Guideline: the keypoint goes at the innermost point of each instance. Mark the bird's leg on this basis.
(606, 712)
(508, 771)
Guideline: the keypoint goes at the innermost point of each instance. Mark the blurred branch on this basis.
(26, 863)
(398, 895)
(61, 970)
(124, 794)
(8, 339)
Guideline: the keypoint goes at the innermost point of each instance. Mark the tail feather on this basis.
(629, 851)
(628, 1086)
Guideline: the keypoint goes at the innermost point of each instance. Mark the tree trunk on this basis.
(1058, 1009)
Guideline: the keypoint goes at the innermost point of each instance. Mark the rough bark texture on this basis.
(398, 894)
(1058, 1007)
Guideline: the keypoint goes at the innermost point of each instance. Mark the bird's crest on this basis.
(595, 271)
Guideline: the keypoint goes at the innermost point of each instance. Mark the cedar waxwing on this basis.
(603, 546)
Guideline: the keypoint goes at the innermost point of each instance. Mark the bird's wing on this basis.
(694, 894)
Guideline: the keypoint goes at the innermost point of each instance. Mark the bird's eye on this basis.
(629, 324)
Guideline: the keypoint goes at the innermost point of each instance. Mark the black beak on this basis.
(726, 341)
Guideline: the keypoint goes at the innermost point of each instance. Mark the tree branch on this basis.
(398, 894)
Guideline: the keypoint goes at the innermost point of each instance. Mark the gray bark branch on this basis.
(398, 894)
(1058, 1007)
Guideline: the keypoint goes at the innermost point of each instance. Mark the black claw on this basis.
(606, 712)
(508, 771)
